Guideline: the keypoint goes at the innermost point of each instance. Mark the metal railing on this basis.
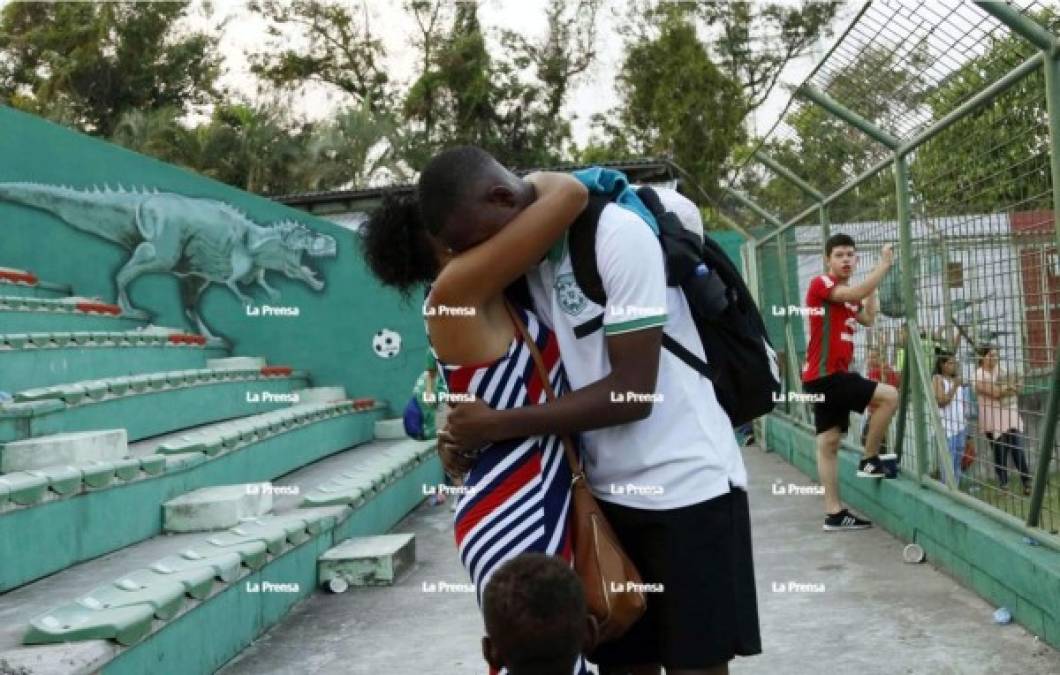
(934, 127)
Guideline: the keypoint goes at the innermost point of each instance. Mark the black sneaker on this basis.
(871, 467)
(844, 520)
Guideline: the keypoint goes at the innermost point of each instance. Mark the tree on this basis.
(340, 49)
(676, 103)
(828, 152)
(353, 148)
(86, 64)
(997, 157)
(533, 127)
(783, 33)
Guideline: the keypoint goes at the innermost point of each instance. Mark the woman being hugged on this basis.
(473, 230)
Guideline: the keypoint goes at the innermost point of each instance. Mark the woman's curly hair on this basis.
(397, 246)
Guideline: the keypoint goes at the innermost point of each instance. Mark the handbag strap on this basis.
(568, 444)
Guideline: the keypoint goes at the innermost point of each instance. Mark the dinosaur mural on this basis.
(199, 240)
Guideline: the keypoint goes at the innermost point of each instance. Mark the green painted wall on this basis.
(332, 337)
(980, 552)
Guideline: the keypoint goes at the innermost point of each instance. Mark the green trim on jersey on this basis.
(558, 250)
(635, 324)
(826, 340)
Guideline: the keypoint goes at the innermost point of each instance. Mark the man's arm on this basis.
(634, 367)
(871, 283)
(633, 273)
(867, 315)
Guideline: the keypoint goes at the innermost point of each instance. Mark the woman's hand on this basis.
(470, 425)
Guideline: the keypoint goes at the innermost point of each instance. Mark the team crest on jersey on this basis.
(570, 297)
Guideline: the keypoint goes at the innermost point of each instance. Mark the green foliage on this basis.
(86, 64)
(259, 149)
(997, 157)
(758, 39)
(340, 49)
(511, 105)
(676, 103)
(827, 152)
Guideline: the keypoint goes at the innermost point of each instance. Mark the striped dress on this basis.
(518, 491)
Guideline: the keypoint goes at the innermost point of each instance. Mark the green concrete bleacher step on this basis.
(216, 508)
(391, 429)
(357, 481)
(36, 289)
(51, 505)
(76, 447)
(113, 613)
(29, 314)
(148, 404)
(321, 394)
(29, 360)
(236, 362)
(377, 560)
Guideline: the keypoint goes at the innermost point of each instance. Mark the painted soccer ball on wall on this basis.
(386, 343)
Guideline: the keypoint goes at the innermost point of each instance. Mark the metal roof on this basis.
(636, 169)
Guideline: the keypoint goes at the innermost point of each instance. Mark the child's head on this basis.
(840, 255)
(536, 619)
(946, 364)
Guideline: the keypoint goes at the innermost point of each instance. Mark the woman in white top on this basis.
(999, 416)
(949, 393)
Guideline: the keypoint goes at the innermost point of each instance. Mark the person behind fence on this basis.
(999, 416)
(536, 619)
(836, 309)
(877, 369)
(952, 402)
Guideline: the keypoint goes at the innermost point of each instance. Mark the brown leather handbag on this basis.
(611, 581)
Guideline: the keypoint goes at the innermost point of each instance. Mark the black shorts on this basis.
(843, 393)
(707, 612)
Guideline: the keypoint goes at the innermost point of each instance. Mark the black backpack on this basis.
(742, 364)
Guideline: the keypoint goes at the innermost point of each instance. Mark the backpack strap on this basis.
(581, 239)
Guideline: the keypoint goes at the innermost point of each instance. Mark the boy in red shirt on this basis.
(836, 309)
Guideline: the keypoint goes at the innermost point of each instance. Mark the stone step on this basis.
(30, 360)
(149, 403)
(80, 619)
(367, 561)
(77, 447)
(321, 394)
(216, 508)
(43, 527)
(236, 362)
(391, 429)
(26, 315)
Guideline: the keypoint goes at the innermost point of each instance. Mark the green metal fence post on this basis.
(1045, 40)
(905, 251)
(1047, 441)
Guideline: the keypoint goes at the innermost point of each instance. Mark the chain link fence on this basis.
(933, 127)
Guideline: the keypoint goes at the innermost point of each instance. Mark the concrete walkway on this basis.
(875, 613)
